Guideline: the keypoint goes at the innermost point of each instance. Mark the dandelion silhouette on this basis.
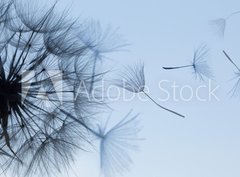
(133, 80)
(235, 89)
(219, 25)
(199, 64)
(45, 115)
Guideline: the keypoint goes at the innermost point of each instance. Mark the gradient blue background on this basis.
(206, 143)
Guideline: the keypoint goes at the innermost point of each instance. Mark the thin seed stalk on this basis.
(229, 58)
(178, 67)
(169, 110)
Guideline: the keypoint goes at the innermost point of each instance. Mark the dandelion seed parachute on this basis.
(116, 143)
(201, 70)
(101, 41)
(236, 87)
(133, 80)
(220, 24)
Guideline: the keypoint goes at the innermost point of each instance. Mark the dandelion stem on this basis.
(234, 13)
(162, 106)
(178, 67)
(228, 57)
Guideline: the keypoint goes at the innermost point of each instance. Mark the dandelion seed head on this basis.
(46, 113)
(40, 69)
(116, 143)
(200, 66)
(100, 40)
(219, 26)
(132, 78)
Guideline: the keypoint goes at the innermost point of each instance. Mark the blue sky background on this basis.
(206, 143)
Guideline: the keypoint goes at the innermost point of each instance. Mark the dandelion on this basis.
(45, 114)
(199, 64)
(219, 24)
(133, 80)
(235, 89)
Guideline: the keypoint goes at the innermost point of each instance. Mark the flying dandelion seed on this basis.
(116, 143)
(45, 115)
(133, 80)
(199, 64)
(220, 24)
(101, 42)
(236, 88)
